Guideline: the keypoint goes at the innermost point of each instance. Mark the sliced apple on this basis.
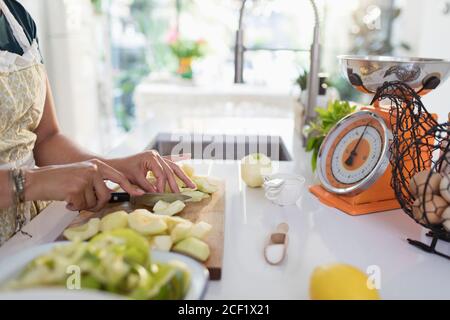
(204, 184)
(196, 196)
(179, 182)
(146, 223)
(172, 222)
(113, 221)
(83, 232)
(162, 243)
(181, 231)
(194, 248)
(171, 209)
(200, 230)
(152, 179)
(160, 206)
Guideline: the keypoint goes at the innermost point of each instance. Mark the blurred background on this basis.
(115, 63)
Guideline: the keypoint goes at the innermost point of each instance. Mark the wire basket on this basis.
(419, 144)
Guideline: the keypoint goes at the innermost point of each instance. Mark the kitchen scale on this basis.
(353, 161)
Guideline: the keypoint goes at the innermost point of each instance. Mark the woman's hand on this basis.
(109, 173)
(81, 184)
(136, 167)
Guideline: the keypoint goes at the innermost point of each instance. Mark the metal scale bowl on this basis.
(419, 142)
(368, 73)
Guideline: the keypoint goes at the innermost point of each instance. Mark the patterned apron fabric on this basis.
(22, 96)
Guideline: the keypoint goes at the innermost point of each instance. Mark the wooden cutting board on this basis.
(211, 210)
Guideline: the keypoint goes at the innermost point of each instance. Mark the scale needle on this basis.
(353, 153)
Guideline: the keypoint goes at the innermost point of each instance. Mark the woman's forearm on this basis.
(58, 149)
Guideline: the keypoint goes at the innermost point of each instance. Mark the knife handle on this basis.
(119, 197)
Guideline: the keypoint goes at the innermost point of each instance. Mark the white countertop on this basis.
(317, 235)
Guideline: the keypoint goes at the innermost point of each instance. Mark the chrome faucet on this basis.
(314, 66)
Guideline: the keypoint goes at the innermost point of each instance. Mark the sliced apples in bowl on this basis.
(116, 263)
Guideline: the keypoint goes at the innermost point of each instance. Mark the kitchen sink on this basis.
(220, 147)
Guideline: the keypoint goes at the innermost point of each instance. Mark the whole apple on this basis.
(253, 169)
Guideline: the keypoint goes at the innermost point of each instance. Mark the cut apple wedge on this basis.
(160, 206)
(196, 196)
(84, 232)
(194, 248)
(146, 223)
(204, 184)
(169, 209)
(113, 221)
(200, 230)
(181, 231)
(179, 182)
(152, 179)
(172, 222)
(162, 243)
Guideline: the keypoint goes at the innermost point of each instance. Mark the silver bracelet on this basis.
(18, 185)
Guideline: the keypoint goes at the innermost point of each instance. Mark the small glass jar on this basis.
(284, 189)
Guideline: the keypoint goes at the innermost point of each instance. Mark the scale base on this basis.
(349, 205)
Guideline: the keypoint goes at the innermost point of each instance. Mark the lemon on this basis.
(340, 282)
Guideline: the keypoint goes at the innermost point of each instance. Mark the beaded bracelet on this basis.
(18, 185)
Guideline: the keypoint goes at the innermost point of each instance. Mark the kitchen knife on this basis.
(148, 199)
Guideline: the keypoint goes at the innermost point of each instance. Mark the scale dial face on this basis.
(354, 154)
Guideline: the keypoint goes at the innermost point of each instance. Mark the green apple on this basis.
(253, 169)
(169, 282)
(137, 247)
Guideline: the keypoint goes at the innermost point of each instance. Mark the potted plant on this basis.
(318, 129)
(186, 51)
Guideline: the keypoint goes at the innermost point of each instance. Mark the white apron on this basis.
(22, 97)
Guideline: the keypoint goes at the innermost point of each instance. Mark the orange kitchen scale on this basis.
(353, 162)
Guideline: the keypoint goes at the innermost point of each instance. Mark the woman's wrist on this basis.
(17, 181)
(32, 185)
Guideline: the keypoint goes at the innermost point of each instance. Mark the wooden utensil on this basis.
(279, 238)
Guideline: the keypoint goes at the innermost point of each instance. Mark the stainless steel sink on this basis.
(220, 147)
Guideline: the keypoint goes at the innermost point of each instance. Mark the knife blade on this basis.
(148, 199)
